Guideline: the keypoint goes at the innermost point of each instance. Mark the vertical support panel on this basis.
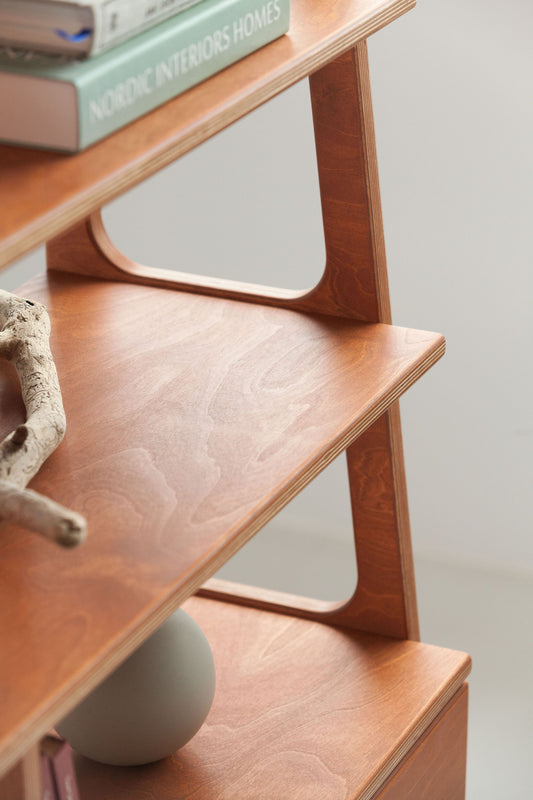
(385, 598)
(355, 281)
(355, 285)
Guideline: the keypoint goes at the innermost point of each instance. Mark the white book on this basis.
(67, 104)
(82, 28)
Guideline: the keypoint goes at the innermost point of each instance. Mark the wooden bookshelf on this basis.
(196, 410)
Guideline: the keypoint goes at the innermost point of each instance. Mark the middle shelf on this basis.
(191, 421)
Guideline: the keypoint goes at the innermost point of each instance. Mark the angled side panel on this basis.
(355, 284)
(355, 279)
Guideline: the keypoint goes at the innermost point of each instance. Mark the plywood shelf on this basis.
(45, 193)
(192, 421)
(196, 410)
(301, 710)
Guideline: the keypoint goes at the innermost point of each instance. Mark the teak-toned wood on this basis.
(296, 705)
(354, 285)
(31, 774)
(384, 601)
(355, 282)
(23, 781)
(436, 767)
(385, 598)
(12, 784)
(185, 464)
(46, 193)
(193, 418)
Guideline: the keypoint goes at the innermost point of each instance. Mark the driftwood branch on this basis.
(24, 341)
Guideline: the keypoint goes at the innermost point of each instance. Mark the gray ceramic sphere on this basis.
(152, 704)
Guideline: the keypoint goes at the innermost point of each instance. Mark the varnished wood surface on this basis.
(301, 711)
(355, 281)
(12, 784)
(436, 768)
(354, 285)
(384, 600)
(44, 193)
(23, 781)
(190, 422)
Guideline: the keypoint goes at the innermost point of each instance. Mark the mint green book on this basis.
(48, 102)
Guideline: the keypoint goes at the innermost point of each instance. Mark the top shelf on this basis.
(45, 193)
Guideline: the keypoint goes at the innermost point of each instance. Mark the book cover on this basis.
(67, 106)
(82, 28)
(58, 754)
(48, 791)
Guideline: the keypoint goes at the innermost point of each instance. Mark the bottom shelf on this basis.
(302, 710)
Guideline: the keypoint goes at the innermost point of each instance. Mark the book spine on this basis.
(205, 40)
(116, 21)
(64, 775)
(47, 782)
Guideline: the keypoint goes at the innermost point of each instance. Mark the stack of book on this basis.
(58, 779)
(74, 72)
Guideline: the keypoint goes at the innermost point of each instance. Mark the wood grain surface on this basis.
(12, 784)
(45, 193)
(384, 600)
(385, 597)
(302, 710)
(436, 767)
(354, 285)
(190, 422)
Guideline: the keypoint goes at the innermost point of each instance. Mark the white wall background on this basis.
(452, 85)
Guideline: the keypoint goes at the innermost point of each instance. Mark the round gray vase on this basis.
(152, 704)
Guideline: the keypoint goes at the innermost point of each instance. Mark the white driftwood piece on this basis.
(24, 341)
